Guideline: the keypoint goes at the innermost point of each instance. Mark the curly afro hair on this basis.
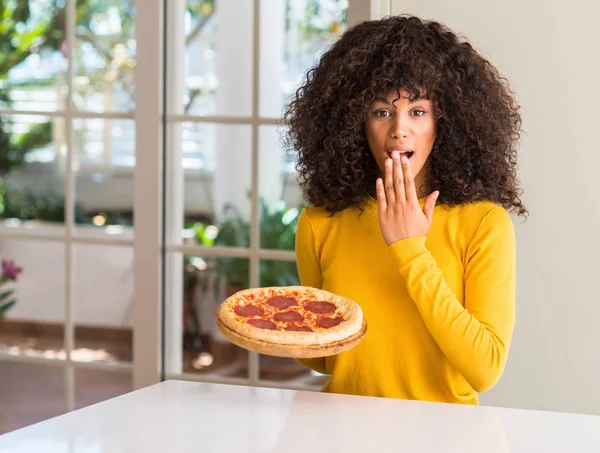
(478, 123)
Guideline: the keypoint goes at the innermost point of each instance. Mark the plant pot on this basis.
(230, 290)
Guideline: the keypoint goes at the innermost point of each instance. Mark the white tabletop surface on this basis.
(181, 417)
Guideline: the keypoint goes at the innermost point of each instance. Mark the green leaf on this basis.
(27, 39)
(7, 306)
(24, 42)
(38, 136)
(22, 11)
(5, 295)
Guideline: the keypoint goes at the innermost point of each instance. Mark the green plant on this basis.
(21, 35)
(26, 205)
(28, 27)
(14, 147)
(8, 273)
(277, 232)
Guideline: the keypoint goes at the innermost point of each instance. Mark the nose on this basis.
(398, 127)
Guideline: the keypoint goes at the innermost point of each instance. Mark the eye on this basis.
(419, 112)
(381, 113)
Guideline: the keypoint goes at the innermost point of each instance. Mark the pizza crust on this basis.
(347, 308)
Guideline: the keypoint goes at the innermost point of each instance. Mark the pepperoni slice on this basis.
(282, 302)
(248, 310)
(288, 316)
(320, 308)
(297, 328)
(327, 323)
(263, 324)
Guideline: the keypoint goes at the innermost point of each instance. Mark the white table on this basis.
(179, 417)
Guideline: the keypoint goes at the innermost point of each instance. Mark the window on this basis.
(81, 186)
(66, 102)
(232, 199)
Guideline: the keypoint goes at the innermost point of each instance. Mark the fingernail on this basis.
(404, 159)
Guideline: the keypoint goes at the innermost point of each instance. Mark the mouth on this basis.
(406, 153)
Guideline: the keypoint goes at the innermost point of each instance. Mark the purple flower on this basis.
(10, 270)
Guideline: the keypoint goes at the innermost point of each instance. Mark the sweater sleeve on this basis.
(308, 253)
(309, 271)
(475, 337)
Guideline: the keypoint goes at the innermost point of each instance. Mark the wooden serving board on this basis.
(291, 351)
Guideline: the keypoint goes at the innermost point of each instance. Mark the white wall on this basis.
(550, 50)
(103, 279)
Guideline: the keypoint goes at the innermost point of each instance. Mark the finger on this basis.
(409, 182)
(381, 198)
(398, 179)
(388, 182)
(429, 206)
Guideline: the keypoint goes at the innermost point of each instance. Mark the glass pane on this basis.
(196, 286)
(32, 55)
(104, 56)
(281, 204)
(32, 150)
(299, 32)
(278, 273)
(95, 386)
(103, 161)
(212, 63)
(33, 325)
(103, 304)
(30, 394)
(208, 184)
(281, 198)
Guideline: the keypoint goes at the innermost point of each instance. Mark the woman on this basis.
(406, 148)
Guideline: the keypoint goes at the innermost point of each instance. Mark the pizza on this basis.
(291, 315)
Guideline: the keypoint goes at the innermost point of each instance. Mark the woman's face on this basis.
(401, 125)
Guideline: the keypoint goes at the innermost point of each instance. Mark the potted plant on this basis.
(9, 273)
(277, 232)
(223, 276)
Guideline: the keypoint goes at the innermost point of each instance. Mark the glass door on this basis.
(232, 201)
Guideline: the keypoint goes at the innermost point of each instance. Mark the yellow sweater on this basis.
(440, 309)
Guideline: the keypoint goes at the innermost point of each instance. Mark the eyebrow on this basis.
(387, 102)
